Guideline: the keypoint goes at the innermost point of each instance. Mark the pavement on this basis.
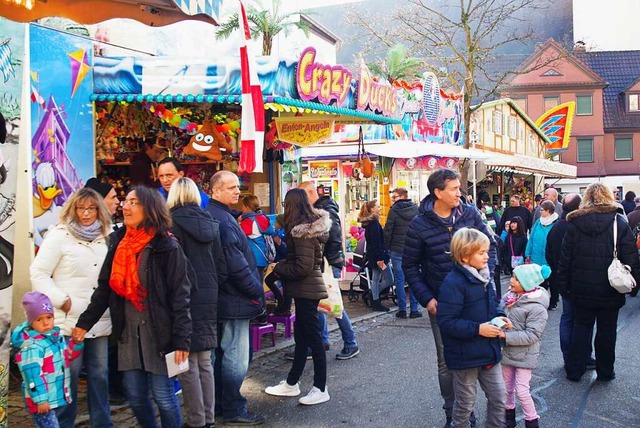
(393, 381)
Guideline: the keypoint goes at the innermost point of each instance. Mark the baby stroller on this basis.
(364, 278)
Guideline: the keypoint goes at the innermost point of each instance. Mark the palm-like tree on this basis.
(397, 65)
(265, 23)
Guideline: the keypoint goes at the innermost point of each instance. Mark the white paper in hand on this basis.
(173, 368)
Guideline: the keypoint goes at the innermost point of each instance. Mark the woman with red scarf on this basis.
(144, 284)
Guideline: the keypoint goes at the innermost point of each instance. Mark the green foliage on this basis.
(9, 106)
(397, 65)
(266, 23)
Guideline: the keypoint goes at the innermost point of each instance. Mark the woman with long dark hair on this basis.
(377, 254)
(307, 230)
(144, 284)
(515, 244)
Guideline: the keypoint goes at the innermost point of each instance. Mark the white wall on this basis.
(607, 25)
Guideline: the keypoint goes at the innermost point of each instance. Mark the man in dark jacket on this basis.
(427, 259)
(634, 216)
(401, 214)
(570, 203)
(335, 256)
(516, 210)
(240, 298)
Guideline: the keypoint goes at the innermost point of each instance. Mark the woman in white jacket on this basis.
(66, 269)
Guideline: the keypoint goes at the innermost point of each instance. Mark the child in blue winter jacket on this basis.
(43, 360)
(471, 329)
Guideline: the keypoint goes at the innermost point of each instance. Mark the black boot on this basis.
(510, 416)
(531, 424)
(379, 307)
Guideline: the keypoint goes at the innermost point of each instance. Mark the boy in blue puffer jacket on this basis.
(43, 360)
(471, 328)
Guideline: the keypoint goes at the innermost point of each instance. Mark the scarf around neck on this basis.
(85, 233)
(546, 221)
(124, 280)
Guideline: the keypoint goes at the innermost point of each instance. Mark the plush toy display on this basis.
(208, 143)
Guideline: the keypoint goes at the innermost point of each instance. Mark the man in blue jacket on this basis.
(240, 298)
(427, 259)
(169, 170)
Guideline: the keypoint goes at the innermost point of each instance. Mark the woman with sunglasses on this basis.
(144, 283)
(66, 269)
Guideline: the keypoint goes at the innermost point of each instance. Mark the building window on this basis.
(551, 102)
(513, 127)
(584, 105)
(633, 102)
(585, 149)
(623, 148)
(497, 122)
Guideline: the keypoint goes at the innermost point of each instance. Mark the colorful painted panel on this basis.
(11, 55)
(61, 122)
(556, 125)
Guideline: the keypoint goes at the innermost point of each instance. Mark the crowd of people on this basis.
(181, 280)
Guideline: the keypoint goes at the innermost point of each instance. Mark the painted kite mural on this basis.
(556, 125)
(61, 120)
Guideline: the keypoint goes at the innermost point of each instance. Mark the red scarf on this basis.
(124, 278)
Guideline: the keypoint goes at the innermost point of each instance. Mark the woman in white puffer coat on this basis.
(66, 269)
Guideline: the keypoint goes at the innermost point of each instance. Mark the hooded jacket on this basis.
(529, 318)
(374, 235)
(400, 216)
(166, 279)
(255, 225)
(240, 294)
(427, 259)
(587, 252)
(465, 302)
(43, 360)
(333, 248)
(199, 237)
(301, 272)
(537, 243)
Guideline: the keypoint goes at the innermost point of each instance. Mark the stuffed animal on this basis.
(208, 143)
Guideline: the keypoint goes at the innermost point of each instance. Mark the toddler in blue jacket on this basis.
(471, 328)
(43, 360)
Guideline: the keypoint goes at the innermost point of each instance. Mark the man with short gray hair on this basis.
(550, 194)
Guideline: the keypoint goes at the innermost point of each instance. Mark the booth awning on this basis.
(401, 149)
(528, 164)
(150, 12)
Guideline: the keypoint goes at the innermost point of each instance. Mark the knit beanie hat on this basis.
(36, 304)
(531, 275)
(99, 186)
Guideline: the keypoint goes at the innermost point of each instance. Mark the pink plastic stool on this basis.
(257, 331)
(286, 320)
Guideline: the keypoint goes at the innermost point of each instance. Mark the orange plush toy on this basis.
(208, 143)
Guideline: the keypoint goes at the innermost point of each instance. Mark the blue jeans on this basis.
(230, 365)
(565, 329)
(398, 275)
(348, 335)
(46, 420)
(137, 384)
(95, 359)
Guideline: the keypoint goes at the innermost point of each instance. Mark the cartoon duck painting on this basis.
(45, 211)
(208, 143)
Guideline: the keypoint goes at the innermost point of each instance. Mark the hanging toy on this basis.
(208, 143)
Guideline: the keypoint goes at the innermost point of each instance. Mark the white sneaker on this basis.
(315, 396)
(283, 389)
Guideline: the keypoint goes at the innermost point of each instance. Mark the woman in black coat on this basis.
(307, 230)
(587, 252)
(377, 254)
(199, 237)
(515, 243)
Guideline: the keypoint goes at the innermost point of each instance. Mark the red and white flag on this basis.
(252, 134)
(37, 98)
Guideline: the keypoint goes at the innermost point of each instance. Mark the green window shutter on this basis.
(624, 148)
(584, 105)
(585, 150)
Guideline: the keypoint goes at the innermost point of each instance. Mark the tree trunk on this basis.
(267, 43)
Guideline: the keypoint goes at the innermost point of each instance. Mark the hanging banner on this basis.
(61, 121)
(304, 131)
(11, 69)
(556, 125)
(323, 169)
